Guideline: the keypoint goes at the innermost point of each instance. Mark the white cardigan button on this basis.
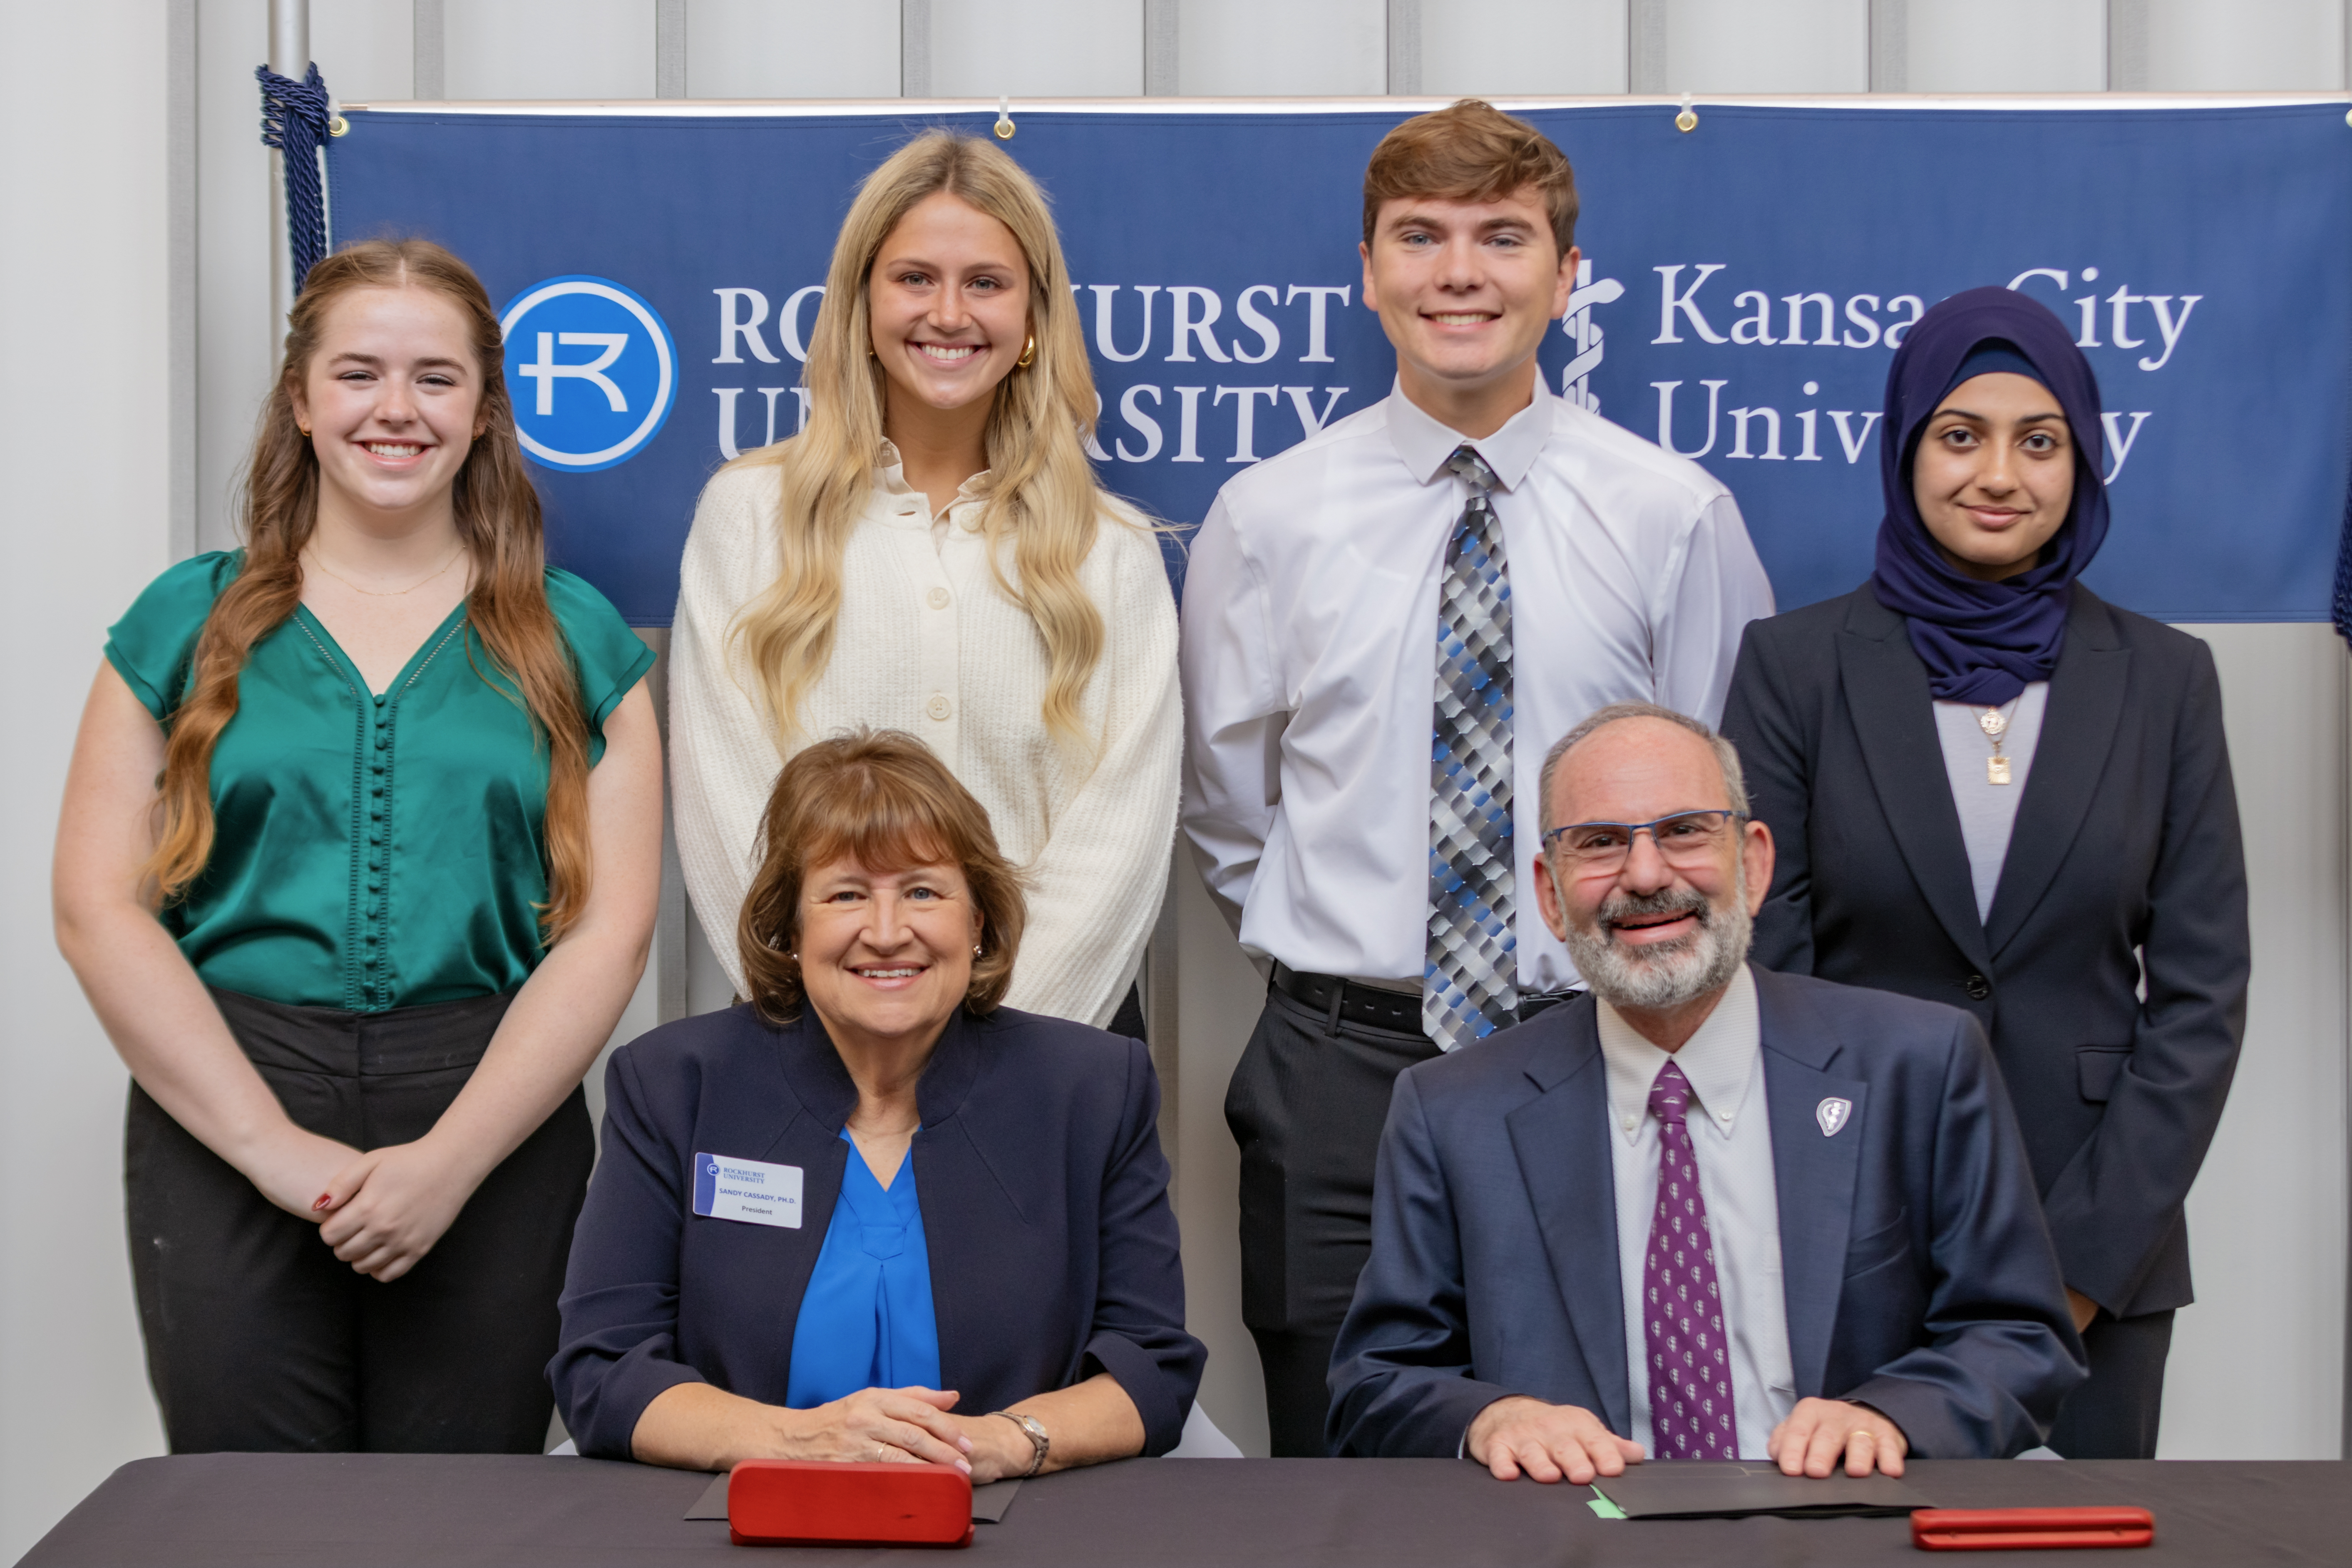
(939, 598)
(938, 708)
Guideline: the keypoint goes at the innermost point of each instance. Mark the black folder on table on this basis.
(988, 1502)
(1690, 1489)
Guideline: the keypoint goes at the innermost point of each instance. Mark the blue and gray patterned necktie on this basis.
(1469, 979)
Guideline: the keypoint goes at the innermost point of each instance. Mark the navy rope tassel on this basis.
(294, 121)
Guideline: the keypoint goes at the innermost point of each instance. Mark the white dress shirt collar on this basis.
(1510, 452)
(1719, 1060)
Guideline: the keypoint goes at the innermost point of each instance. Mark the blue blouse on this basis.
(867, 1320)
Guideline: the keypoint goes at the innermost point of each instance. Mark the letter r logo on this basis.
(601, 369)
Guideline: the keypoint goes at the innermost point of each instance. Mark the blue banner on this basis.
(1745, 283)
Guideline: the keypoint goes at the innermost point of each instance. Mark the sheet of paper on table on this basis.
(1696, 1490)
(988, 1502)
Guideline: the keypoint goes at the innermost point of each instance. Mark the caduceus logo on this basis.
(1576, 381)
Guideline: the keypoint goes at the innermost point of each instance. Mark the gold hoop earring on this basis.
(1028, 353)
(976, 950)
(305, 429)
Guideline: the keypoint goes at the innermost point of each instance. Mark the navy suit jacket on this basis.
(2126, 863)
(1918, 1273)
(1045, 1202)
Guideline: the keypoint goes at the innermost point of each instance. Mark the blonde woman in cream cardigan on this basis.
(933, 554)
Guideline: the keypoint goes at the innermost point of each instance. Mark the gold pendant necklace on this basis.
(1995, 724)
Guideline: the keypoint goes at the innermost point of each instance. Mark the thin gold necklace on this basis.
(319, 562)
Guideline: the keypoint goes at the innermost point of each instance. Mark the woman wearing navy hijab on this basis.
(1989, 787)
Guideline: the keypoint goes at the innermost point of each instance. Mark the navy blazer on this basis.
(1918, 1274)
(2126, 861)
(1044, 1201)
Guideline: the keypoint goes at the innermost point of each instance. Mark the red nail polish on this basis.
(324, 1199)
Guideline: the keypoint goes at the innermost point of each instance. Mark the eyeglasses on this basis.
(1687, 838)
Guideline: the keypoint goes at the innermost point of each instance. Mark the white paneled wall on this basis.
(373, 39)
(1511, 48)
(791, 48)
(72, 1404)
(548, 48)
(2002, 45)
(2243, 45)
(1037, 48)
(1767, 46)
(233, 351)
(1291, 49)
(2257, 1364)
(85, 311)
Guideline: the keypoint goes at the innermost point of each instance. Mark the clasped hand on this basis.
(1564, 1442)
(384, 1211)
(905, 1426)
(381, 1211)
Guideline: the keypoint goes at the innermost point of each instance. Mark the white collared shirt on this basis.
(1310, 658)
(1724, 1061)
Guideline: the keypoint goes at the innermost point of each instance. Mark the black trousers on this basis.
(259, 1339)
(2115, 1415)
(1129, 1020)
(1307, 1105)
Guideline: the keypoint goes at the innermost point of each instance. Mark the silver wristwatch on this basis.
(1034, 1430)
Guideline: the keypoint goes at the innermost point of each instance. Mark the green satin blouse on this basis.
(369, 851)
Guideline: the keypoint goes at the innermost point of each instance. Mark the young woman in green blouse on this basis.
(358, 865)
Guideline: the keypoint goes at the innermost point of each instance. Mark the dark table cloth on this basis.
(383, 1509)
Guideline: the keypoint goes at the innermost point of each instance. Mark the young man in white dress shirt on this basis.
(1370, 620)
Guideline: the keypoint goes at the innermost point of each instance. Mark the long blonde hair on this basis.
(1042, 490)
(506, 609)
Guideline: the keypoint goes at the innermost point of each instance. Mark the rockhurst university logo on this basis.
(591, 369)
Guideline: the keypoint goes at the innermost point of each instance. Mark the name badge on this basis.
(747, 1190)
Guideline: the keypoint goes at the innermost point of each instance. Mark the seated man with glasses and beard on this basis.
(1707, 1212)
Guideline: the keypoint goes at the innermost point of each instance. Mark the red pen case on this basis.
(2035, 1529)
(797, 1502)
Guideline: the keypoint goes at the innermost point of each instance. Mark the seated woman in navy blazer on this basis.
(870, 1213)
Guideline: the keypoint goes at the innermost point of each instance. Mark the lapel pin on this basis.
(1832, 1114)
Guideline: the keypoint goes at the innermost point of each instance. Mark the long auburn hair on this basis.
(1042, 492)
(499, 522)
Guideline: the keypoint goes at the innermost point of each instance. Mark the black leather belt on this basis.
(1346, 1002)
(1399, 1012)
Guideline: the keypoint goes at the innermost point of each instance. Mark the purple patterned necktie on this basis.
(1690, 1373)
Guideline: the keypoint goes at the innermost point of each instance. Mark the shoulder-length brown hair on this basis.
(881, 798)
(506, 609)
